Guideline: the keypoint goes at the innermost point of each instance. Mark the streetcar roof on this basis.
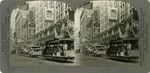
(67, 40)
(125, 40)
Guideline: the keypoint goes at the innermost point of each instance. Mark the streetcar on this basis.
(125, 49)
(34, 51)
(59, 49)
(99, 50)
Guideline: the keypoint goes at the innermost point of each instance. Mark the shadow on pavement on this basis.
(60, 60)
(123, 60)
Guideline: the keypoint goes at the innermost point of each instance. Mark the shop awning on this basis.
(55, 41)
(125, 40)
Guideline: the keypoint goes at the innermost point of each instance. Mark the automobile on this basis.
(35, 51)
(99, 50)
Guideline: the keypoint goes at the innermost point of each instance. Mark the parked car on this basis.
(35, 51)
(99, 50)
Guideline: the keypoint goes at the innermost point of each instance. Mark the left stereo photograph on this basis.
(42, 34)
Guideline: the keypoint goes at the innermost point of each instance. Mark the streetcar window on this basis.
(135, 46)
(70, 46)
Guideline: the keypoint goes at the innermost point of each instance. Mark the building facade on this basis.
(86, 28)
(20, 21)
(118, 22)
(20, 32)
(28, 29)
(53, 19)
(64, 17)
(110, 20)
(40, 21)
(44, 18)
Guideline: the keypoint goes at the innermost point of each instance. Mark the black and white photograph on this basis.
(97, 33)
(107, 34)
(42, 34)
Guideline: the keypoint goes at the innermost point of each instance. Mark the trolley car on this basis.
(99, 50)
(126, 48)
(35, 51)
(59, 49)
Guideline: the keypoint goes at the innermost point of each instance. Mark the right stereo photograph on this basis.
(106, 34)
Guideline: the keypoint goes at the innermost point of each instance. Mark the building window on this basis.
(96, 24)
(111, 5)
(51, 4)
(66, 12)
(95, 13)
(46, 4)
(96, 30)
(113, 13)
(66, 6)
(49, 14)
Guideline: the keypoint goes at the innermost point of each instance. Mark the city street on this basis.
(81, 60)
(17, 60)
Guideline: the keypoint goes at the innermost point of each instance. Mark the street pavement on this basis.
(89, 60)
(17, 60)
(80, 60)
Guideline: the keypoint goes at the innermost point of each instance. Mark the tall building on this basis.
(116, 18)
(110, 20)
(90, 25)
(128, 15)
(40, 21)
(28, 29)
(86, 29)
(64, 20)
(44, 17)
(86, 21)
(53, 19)
(20, 21)
(25, 25)
(96, 24)
(83, 14)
